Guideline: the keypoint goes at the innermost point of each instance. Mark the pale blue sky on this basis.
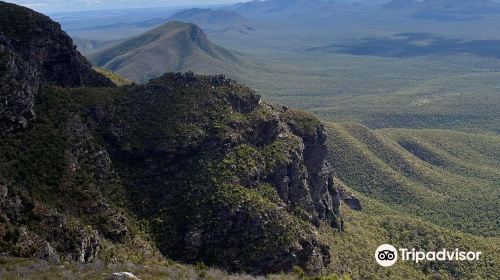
(74, 5)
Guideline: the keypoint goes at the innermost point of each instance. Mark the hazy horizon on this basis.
(54, 6)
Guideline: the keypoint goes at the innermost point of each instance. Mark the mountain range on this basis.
(444, 10)
(275, 9)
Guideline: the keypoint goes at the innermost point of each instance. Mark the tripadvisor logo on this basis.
(387, 255)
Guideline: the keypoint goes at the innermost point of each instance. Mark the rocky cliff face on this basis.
(210, 171)
(228, 179)
(34, 51)
(216, 174)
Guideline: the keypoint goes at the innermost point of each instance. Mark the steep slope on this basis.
(214, 20)
(27, 62)
(115, 78)
(222, 177)
(444, 177)
(174, 46)
(225, 179)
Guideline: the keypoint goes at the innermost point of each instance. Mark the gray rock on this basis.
(4, 191)
(348, 197)
(124, 276)
(48, 253)
(84, 154)
(245, 103)
(14, 207)
(89, 246)
(299, 173)
(353, 203)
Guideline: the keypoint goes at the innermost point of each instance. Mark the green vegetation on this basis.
(21, 269)
(444, 177)
(36, 158)
(428, 189)
(467, 102)
(194, 186)
(400, 175)
(379, 224)
(179, 166)
(115, 78)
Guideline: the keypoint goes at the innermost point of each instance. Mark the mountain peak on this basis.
(173, 46)
(178, 28)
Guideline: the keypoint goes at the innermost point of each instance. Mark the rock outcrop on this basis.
(34, 51)
(48, 239)
(206, 146)
(123, 276)
(350, 199)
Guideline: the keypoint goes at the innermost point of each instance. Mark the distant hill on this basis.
(274, 9)
(401, 4)
(87, 46)
(440, 4)
(457, 4)
(174, 46)
(444, 10)
(214, 20)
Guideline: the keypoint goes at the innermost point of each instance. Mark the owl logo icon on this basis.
(386, 255)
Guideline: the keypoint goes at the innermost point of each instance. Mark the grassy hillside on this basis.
(174, 46)
(428, 189)
(115, 78)
(444, 177)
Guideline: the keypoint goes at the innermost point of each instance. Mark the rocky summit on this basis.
(195, 168)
